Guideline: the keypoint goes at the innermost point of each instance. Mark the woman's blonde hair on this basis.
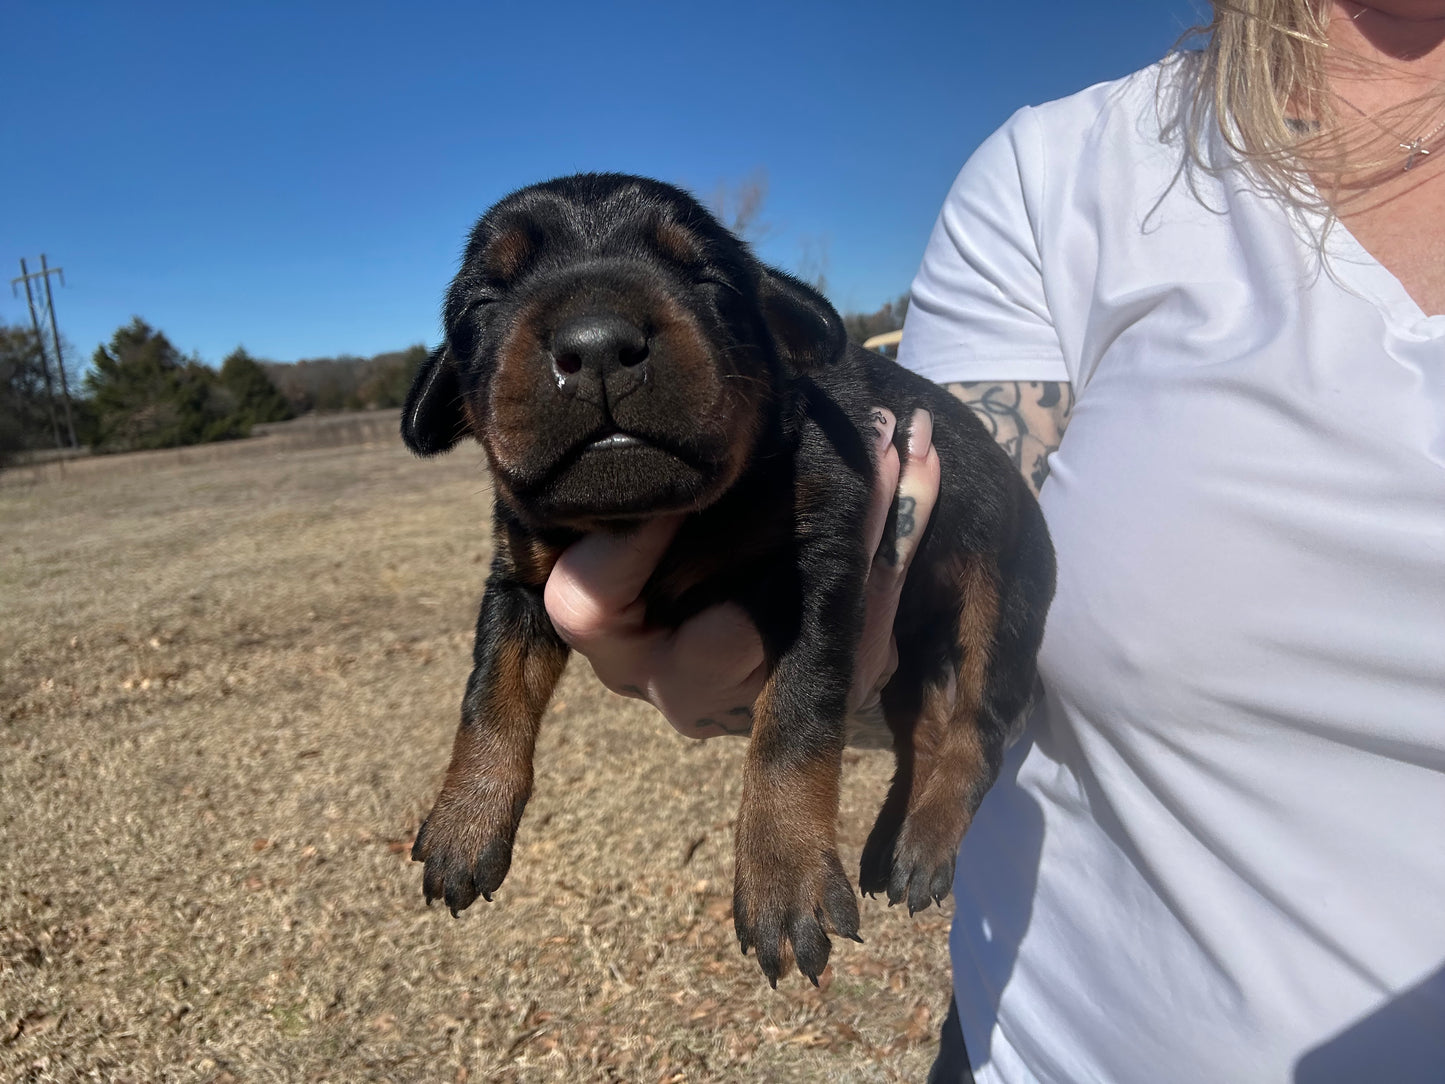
(1263, 78)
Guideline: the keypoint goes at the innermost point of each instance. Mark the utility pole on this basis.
(44, 273)
(59, 355)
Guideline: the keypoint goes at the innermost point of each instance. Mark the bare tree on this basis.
(740, 206)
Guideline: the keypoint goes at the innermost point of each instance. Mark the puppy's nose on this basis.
(599, 349)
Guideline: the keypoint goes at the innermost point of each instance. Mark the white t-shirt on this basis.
(1218, 853)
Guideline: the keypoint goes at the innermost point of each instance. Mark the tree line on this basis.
(140, 392)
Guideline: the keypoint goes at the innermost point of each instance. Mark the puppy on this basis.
(620, 355)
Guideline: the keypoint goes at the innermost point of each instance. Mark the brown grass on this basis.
(228, 685)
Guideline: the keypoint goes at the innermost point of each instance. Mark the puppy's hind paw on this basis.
(875, 867)
(922, 870)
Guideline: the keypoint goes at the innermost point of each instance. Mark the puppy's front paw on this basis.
(784, 906)
(467, 850)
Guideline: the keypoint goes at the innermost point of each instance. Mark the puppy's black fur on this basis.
(620, 355)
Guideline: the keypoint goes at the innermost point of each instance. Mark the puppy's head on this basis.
(616, 351)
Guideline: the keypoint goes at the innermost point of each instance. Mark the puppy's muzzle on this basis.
(600, 358)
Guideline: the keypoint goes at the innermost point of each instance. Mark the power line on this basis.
(49, 304)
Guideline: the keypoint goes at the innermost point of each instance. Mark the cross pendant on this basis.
(1416, 150)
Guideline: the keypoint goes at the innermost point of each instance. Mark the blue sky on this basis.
(298, 178)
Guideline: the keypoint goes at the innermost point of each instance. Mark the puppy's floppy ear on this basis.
(807, 331)
(432, 420)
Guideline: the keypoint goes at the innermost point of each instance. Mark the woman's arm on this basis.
(1026, 418)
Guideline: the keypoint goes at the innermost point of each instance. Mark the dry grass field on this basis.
(228, 683)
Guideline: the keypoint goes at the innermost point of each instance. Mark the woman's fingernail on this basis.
(920, 434)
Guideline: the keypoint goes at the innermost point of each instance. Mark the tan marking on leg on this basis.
(951, 759)
(489, 778)
(788, 877)
(951, 767)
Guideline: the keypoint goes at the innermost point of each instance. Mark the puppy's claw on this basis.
(461, 889)
(770, 960)
(811, 947)
(898, 884)
(919, 895)
(942, 883)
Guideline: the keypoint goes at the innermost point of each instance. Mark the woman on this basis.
(1216, 855)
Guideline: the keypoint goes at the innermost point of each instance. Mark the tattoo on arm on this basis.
(1026, 418)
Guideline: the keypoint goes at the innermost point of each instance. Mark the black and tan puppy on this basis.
(620, 355)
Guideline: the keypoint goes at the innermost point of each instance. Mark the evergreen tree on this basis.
(146, 394)
(256, 398)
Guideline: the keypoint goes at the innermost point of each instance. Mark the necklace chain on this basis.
(1415, 149)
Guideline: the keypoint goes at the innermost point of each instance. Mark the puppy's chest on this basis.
(758, 545)
(745, 545)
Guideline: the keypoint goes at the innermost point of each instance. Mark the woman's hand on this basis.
(705, 675)
(917, 493)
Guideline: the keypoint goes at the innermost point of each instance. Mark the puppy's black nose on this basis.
(603, 350)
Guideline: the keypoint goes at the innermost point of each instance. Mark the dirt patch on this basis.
(227, 694)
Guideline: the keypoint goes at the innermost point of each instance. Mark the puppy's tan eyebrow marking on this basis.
(677, 242)
(506, 253)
